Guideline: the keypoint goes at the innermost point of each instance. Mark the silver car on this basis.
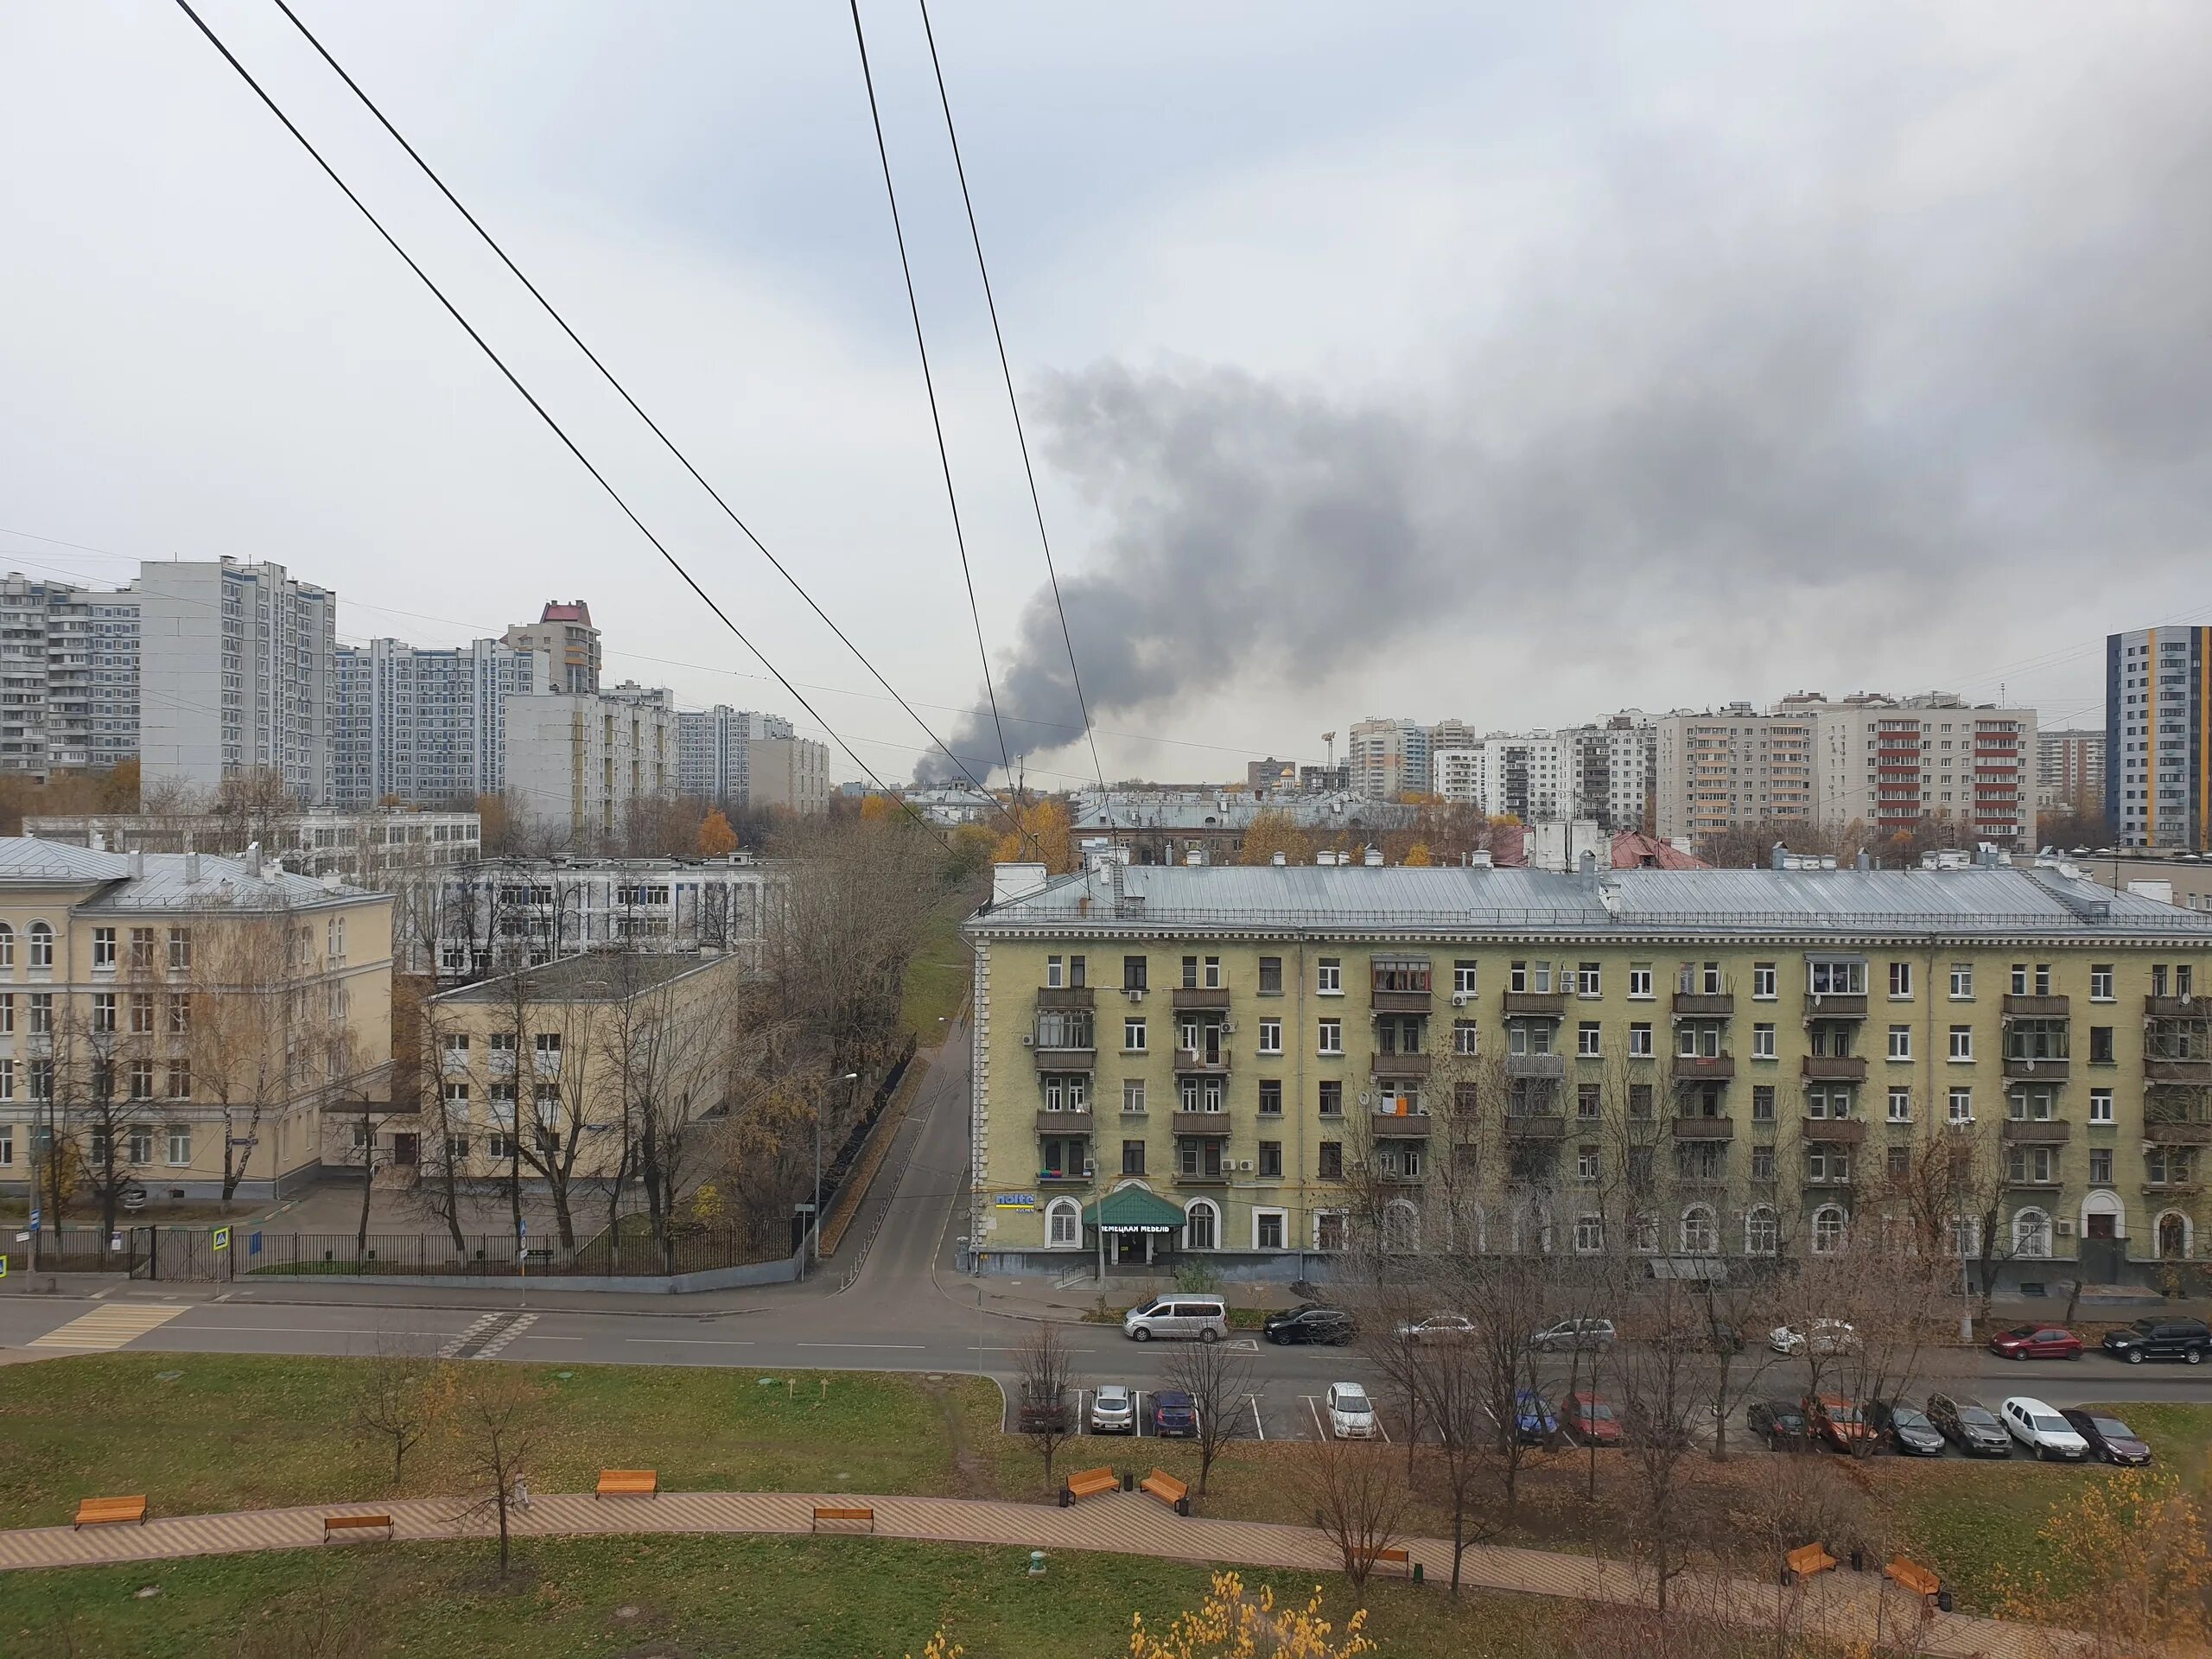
(1113, 1410)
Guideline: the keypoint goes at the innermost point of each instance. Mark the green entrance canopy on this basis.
(1134, 1209)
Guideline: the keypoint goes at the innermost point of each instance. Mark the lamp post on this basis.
(815, 1224)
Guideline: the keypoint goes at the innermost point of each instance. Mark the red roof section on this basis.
(573, 611)
(1632, 851)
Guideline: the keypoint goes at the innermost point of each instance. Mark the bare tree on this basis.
(1047, 1378)
(1359, 1501)
(1219, 1381)
(402, 1398)
(1664, 1390)
(497, 1416)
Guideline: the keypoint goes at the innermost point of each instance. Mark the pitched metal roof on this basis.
(167, 880)
(2000, 902)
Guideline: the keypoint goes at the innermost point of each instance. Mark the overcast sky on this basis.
(1508, 363)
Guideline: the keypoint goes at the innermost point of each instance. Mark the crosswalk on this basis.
(106, 1329)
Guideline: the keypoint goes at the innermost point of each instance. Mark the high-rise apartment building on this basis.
(578, 760)
(2158, 737)
(2069, 769)
(1613, 769)
(790, 772)
(564, 634)
(68, 675)
(1715, 771)
(1527, 777)
(1389, 758)
(236, 664)
(425, 727)
(712, 750)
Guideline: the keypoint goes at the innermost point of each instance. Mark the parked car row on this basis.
(2073, 1435)
(2187, 1340)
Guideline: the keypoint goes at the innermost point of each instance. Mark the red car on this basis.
(2036, 1342)
(1590, 1420)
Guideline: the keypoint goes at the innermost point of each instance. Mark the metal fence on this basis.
(75, 1248)
(623, 1253)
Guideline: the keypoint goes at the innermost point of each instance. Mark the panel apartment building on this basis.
(2158, 737)
(425, 727)
(68, 675)
(2069, 769)
(1599, 771)
(576, 761)
(1254, 1064)
(713, 750)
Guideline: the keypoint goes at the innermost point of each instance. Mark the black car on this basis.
(1970, 1426)
(2187, 1339)
(2110, 1439)
(1779, 1423)
(1907, 1428)
(1312, 1323)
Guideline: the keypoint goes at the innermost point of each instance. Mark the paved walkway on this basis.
(1840, 1605)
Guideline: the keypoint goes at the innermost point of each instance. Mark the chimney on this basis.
(253, 858)
(99, 842)
(1481, 860)
(1866, 860)
(1374, 859)
(1194, 857)
(191, 867)
(134, 863)
(1279, 860)
(1780, 855)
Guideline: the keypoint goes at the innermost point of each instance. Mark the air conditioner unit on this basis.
(1228, 1027)
(1135, 993)
(1089, 1171)
(1029, 1042)
(1458, 999)
(1244, 1165)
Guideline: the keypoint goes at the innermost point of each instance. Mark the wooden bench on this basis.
(331, 1523)
(1910, 1575)
(823, 1512)
(1802, 1562)
(1379, 1557)
(1089, 1483)
(110, 1511)
(628, 1483)
(1175, 1494)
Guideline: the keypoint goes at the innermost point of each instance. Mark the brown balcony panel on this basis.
(1835, 1068)
(1190, 1060)
(2036, 1071)
(1064, 1123)
(1843, 1131)
(1549, 1127)
(1697, 1068)
(2178, 1134)
(1401, 1065)
(2035, 1007)
(2024, 1184)
(1065, 1059)
(1199, 1123)
(2177, 1007)
(1705, 1128)
(1835, 1007)
(1400, 1124)
(2193, 1071)
(1219, 1178)
(1067, 996)
(1551, 1004)
(1195, 997)
(1535, 1065)
(1400, 1001)
(1705, 1005)
(2039, 1131)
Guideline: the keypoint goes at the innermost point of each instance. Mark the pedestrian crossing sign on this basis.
(220, 1238)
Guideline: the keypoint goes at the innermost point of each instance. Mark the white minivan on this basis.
(1205, 1317)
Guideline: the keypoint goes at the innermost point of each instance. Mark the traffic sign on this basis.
(4, 1267)
(35, 1221)
(220, 1238)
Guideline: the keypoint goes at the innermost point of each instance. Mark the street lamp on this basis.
(849, 1076)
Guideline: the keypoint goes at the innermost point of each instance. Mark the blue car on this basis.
(1173, 1414)
(1533, 1419)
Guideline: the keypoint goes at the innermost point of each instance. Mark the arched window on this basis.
(1643, 1232)
(42, 946)
(2173, 1233)
(2030, 1233)
(1701, 1234)
(1589, 1233)
(1761, 1231)
(1201, 1225)
(1463, 1226)
(1532, 1230)
(1829, 1225)
(1064, 1225)
(1401, 1227)
(7, 946)
(1966, 1235)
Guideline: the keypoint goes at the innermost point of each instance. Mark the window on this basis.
(1900, 981)
(1826, 977)
(7, 1145)
(1399, 974)
(1589, 982)
(104, 1012)
(7, 1015)
(1900, 1163)
(1762, 1042)
(42, 1013)
(1332, 1036)
(1329, 1231)
(1213, 973)
(1270, 1096)
(1586, 1040)
(1132, 973)
(1762, 1103)
(1270, 1036)
(1761, 1231)
(141, 947)
(1962, 981)
(142, 1013)
(549, 1053)
(1064, 1224)
(2100, 1044)
(42, 946)
(1900, 1105)
(142, 1079)
(2101, 1106)
(1190, 973)
(1271, 1161)
(1067, 1091)
(1701, 1234)
(1763, 979)
(1332, 1160)
(1270, 975)
(1132, 1037)
(2032, 1166)
(1639, 1042)
(1961, 1106)
(141, 1144)
(1763, 1163)
(1054, 974)
(2100, 981)
(2101, 1166)
(2030, 1233)
(1132, 1157)
(1589, 1233)
(104, 953)
(1585, 1164)
(1077, 966)
(1133, 1094)
(1639, 982)
(1332, 1099)
(1962, 1043)
(7, 946)
(180, 1147)
(1268, 1230)
(1900, 1042)
(1641, 1096)
(1466, 1037)
(180, 949)
(1829, 1226)
(1589, 1101)
(1463, 977)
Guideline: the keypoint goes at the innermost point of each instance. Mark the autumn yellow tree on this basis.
(2124, 1560)
(1043, 835)
(1417, 856)
(1233, 1624)
(716, 838)
(1270, 833)
(876, 808)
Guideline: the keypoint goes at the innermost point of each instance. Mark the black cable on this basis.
(568, 442)
(1014, 403)
(607, 374)
(929, 384)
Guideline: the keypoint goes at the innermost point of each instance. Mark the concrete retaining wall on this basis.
(750, 1273)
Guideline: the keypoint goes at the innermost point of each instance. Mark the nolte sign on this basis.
(1014, 1201)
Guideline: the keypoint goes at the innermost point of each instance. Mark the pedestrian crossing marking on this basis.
(106, 1329)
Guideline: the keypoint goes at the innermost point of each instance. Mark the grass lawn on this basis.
(938, 977)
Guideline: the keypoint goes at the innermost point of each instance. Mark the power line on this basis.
(929, 384)
(607, 374)
(558, 431)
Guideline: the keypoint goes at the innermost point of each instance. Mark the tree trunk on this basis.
(563, 1214)
(368, 1179)
(501, 1502)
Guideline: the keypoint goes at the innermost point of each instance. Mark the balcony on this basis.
(1834, 1068)
(2176, 1008)
(2157, 1190)
(1705, 1128)
(2197, 1071)
(1198, 1062)
(1068, 996)
(1400, 1001)
(1705, 1005)
(2026, 1183)
(2180, 1134)
(1836, 1131)
(2035, 1007)
(1192, 996)
(1547, 1126)
(1198, 1122)
(1834, 1005)
(1401, 1065)
(1548, 1005)
(1400, 1125)
(1064, 1177)
(1064, 1060)
(1063, 1123)
(2037, 1131)
(2018, 1069)
(1203, 1178)
(1535, 1065)
(1704, 1068)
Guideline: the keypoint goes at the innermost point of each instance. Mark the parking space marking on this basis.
(1140, 1400)
(1259, 1429)
(1244, 1345)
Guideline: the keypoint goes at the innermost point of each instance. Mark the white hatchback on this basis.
(1112, 1410)
(2041, 1429)
(1351, 1413)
